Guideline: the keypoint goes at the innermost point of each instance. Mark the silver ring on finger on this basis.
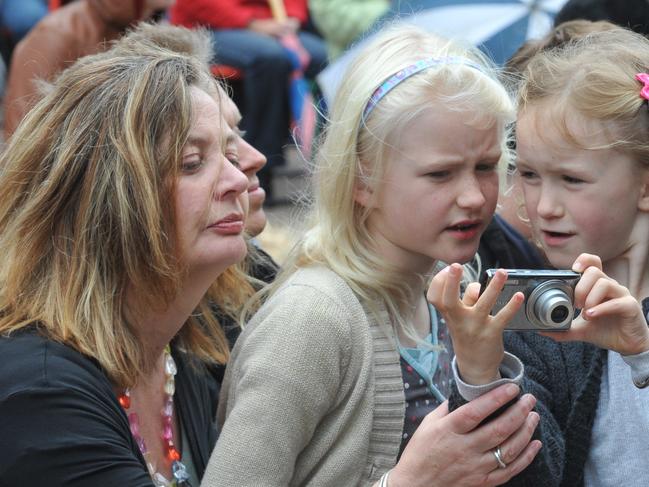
(499, 458)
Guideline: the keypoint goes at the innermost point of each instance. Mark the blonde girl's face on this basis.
(211, 192)
(438, 193)
(577, 200)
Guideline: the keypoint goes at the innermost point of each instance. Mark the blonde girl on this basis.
(341, 377)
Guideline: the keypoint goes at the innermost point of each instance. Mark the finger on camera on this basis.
(586, 283)
(507, 312)
(498, 430)
(604, 290)
(584, 261)
(626, 306)
(467, 417)
(499, 476)
(492, 291)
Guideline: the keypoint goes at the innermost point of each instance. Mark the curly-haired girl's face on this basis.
(577, 199)
(211, 193)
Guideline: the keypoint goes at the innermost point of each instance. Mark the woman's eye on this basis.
(190, 166)
(234, 159)
(438, 174)
(572, 180)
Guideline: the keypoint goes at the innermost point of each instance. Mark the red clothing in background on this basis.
(230, 14)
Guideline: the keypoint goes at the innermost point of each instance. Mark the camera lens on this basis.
(550, 305)
(559, 314)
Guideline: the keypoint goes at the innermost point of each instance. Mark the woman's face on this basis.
(439, 191)
(578, 200)
(250, 162)
(211, 192)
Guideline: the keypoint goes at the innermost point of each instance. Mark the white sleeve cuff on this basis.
(511, 371)
(639, 364)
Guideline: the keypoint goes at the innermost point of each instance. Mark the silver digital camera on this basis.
(549, 298)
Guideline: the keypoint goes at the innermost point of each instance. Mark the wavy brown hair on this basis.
(84, 214)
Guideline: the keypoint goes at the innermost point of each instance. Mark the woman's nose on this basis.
(250, 159)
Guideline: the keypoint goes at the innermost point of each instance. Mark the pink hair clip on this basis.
(643, 78)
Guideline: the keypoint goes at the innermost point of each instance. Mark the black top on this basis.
(61, 423)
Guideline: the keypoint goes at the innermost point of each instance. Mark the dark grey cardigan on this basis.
(565, 378)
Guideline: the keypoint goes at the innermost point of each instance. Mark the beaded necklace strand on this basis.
(180, 475)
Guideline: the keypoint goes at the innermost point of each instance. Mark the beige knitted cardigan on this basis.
(313, 394)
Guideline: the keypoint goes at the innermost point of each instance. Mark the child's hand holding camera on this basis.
(477, 336)
(611, 317)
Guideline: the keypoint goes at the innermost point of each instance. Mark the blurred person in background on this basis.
(17, 17)
(632, 14)
(77, 29)
(342, 22)
(247, 36)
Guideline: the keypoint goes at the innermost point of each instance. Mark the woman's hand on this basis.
(477, 336)
(611, 317)
(455, 449)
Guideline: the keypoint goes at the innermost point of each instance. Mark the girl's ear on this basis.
(643, 202)
(363, 190)
(363, 194)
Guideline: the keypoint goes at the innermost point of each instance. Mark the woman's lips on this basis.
(256, 195)
(232, 224)
(254, 185)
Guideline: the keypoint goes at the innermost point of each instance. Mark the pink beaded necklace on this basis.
(180, 475)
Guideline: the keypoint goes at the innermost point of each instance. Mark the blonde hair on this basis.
(595, 76)
(356, 149)
(87, 179)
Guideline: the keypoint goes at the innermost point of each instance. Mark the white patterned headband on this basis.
(405, 73)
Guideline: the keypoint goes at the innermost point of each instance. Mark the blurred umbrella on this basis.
(498, 27)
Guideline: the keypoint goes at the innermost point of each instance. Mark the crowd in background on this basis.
(249, 49)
